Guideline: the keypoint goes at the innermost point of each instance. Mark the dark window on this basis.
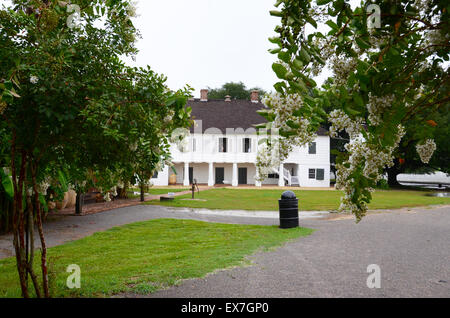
(312, 148)
(273, 176)
(155, 175)
(247, 145)
(312, 173)
(222, 144)
(320, 174)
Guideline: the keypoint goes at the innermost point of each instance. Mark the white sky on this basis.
(207, 42)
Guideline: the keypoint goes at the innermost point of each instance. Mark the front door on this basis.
(242, 175)
(191, 175)
(220, 175)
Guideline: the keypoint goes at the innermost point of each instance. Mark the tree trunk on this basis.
(39, 219)
(142, 192)
(18, 216)
(392, 176)
(30, 259)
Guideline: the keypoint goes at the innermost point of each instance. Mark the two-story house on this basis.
(223, 148)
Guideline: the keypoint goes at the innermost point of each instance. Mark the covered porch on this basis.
(214, 173)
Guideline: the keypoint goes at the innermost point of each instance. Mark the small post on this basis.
(194, 185)
(79, 203)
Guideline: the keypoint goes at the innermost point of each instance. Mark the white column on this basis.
(186, 174)
(234, 180)
(257, 183)
(281, 175)
(211, 175)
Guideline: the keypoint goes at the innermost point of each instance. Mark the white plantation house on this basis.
(223, 145)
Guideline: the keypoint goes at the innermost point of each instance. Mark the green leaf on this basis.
(322, 2)
(332, 25)
(279, 70)
(7, 184)
(280, 87)
(275, 40)
(43, 202)
(362, 44)
(311, 21)
(63, 181)
(284, 56)
(276, 13)
(304, 56)
(274, 51)
(297, 64)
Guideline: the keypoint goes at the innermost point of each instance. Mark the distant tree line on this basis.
(235, 90)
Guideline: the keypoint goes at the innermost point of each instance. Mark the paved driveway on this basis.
(412, 248)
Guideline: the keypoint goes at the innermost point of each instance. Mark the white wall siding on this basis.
(207, 150)
(163, 177)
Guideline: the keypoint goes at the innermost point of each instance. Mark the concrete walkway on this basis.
(411, 246)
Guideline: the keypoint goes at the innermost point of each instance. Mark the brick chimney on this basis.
(228, 98)
(254, 96)
(204, 95)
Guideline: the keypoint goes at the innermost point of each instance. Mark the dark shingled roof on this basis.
(234, 114)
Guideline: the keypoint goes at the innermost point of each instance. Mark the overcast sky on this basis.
(207, 42)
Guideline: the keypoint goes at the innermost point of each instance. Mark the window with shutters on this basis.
(247, 145)
(312, 148)
(223, 145)
(320, 174)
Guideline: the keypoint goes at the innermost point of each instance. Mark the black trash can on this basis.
(288, 210)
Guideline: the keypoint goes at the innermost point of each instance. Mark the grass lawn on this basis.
(146, 256)
(320, 200)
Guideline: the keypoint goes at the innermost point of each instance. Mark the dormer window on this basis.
(247, 145)
(223, 145)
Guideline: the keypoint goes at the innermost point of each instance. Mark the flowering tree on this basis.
(71, 108)
(389, 65)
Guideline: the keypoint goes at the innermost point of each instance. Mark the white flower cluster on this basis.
(43, 186)
(340, 121)
(342, 67)
(283, 107)
(169, 117)
(372, 159)
(266, 160)
(34, 79)
(131, 9)
(277, 148)
(435, 39)
(376, 106)
(421, 5)
(180, 137)
(426, 150)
